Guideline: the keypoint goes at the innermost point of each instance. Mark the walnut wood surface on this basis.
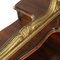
(15, 27)
(12, 29)
(32, 8)
(36, 38)
(50, 50)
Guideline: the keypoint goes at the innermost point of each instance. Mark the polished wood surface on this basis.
(32, 8)
(50, 50)
(35, 39)
(11, 30)
(37, 43)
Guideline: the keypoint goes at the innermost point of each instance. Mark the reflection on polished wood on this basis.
(50, 50)
(31, 31)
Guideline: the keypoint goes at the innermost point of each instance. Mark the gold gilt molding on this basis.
(27, 32)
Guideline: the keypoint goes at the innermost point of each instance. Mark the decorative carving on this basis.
(29, 31)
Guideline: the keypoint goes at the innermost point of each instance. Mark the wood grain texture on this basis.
(11, 30)
(36, 38)
(50, 50)
(32, 8)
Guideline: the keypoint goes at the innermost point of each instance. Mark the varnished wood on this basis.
(32, 8)
(50, 50)
(12, 30)
(36, 38)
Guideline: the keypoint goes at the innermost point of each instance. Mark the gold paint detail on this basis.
(27, 32)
